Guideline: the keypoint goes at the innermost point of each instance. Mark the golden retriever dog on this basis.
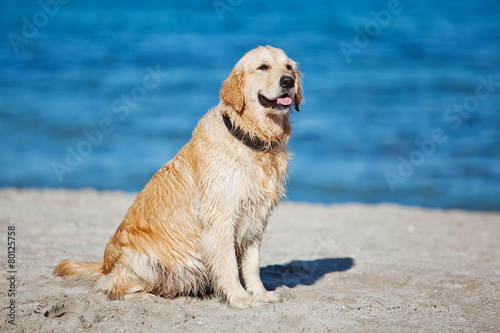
(197, 225)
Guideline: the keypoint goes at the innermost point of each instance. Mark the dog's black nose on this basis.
(287, 81)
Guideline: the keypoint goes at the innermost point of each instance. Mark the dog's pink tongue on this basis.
(285, 100)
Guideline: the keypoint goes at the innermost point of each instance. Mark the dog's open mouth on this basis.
(282, 102)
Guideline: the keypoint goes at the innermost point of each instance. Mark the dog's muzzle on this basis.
(284, 101)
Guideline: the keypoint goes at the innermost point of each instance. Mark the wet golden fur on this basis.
(198, 223)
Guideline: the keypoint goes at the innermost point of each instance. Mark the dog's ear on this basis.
(232, 90)
(298, 89)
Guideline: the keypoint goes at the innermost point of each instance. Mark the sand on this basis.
(338, 268)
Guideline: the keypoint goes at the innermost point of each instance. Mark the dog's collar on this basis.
(254, 143)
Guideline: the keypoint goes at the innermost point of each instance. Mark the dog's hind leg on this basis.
(121, 282)
(131, 273)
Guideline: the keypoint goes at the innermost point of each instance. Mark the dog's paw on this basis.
(243, 302)
(141, 296)
(267, 296)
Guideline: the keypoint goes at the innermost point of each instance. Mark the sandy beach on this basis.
(338, 268)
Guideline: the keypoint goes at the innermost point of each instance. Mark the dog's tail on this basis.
(70, 269)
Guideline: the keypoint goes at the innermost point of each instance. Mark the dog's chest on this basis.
(259, 185)
(259, 182)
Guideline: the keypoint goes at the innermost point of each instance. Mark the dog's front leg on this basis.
(250, 271)
(217, 248)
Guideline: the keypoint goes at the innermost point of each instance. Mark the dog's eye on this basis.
(263, 67)
(289, 67)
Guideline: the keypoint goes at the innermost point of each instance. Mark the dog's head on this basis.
(264, 79)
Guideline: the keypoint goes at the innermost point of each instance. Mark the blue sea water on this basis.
(402, 97)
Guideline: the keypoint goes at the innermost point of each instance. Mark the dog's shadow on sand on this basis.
(302, 272)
